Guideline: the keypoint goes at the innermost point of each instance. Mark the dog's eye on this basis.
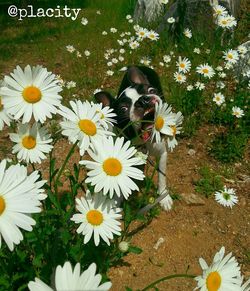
(152, 90)
(124, 108)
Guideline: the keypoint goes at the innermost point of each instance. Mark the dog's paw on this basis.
(167, 203)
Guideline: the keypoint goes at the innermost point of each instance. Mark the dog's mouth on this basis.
(147, 123)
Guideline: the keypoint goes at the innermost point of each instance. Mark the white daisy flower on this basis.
(78, 54)
(82, 124)
(226, 197)
(113, 30)
(104, 32)
(114, 169)
(187, 32)
(146, 61)
(121, 51)
(87, 53)
(180, 78)
(4, 117)
(70, 48)
(197, 51)
(226, 21)
(199, 85)
(246, 285)
(242, 50)
(219, 68)
(183, 65)
(220, 85)
(134, 44)
(121, 58)
(106, 114)
(205, 70)
(67, 278)
(98, 12)
(171, 20)
(142, 33)
(114, 60)
(222, 275)
(32, 143)
(237, 112)
(219, 98)
(32, 92)
(190, 87)
(152, 35)
(176, 129)
(164, 1)
(219, 10)
(70, 84)
(98, 217)
(110, 72)
(166, 59)
(20, 196)
(128, 16)
(164, 119)
(231, 56)
(84, 21)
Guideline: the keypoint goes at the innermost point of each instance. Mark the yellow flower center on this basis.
(32, 94)
(29, 142)
(87, 126)
(159, 122)
(173, 127)
(230, 56)
(95, 217)
(151, 36)
(2, 205)
(142, 33)
(224, 22)
(179, 78)
(112, 167)
(182, 65)
(205, 71)
(217, 98)
(213, 281)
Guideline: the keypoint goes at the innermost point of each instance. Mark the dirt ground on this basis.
(189, 231)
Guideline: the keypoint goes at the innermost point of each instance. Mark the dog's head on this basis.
(135, 103)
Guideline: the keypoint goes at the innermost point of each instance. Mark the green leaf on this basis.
(53, 199)
(134, 250)
(128, 289)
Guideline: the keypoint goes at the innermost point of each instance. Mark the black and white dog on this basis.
(139, 91)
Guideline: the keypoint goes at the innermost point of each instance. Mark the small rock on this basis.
(191, 152)
(192, 199)
(158, 243)
(244, 178)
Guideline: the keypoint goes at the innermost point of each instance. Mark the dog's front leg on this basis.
(167, 202)
(159, 150)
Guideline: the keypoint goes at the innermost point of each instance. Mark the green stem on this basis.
(167, 278)
(71, 151)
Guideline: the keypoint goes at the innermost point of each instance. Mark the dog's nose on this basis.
(144, 100)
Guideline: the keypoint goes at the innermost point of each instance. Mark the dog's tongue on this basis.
(147, 133)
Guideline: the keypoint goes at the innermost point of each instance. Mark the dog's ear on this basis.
(105, 98)
(136, 76)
